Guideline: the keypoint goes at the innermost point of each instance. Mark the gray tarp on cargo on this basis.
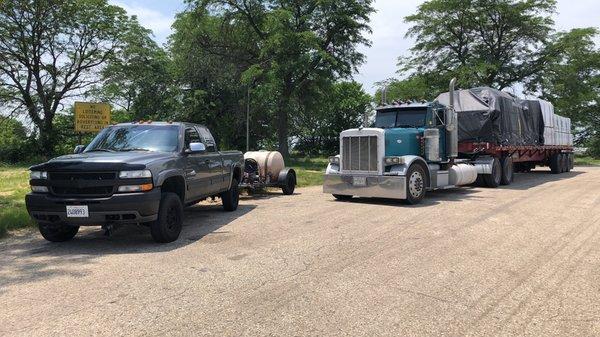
(490, 115)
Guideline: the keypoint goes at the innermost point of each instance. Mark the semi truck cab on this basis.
(412, 149)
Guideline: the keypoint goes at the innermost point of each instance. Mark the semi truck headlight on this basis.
(394, 160)
(39, 189)
(135, 174)
(334, 160)
(38, 175)
(135, 188)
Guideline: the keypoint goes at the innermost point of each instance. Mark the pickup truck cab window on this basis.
(209, 141)
(191, 136)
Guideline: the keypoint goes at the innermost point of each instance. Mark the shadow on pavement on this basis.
(32, 259)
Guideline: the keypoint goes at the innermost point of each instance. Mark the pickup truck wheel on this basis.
(493, 180)
(170, 219)
(58, 232)
(416, 184)
(508, 173)
(290, 184)
(231, 197)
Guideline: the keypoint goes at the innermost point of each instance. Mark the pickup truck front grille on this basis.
(82, 184)
(359, 153)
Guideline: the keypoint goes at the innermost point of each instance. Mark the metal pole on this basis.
(248, 121)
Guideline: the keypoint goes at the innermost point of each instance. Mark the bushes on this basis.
(15, 146)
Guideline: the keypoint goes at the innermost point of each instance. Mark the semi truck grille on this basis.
(82, 184)
(359, 153)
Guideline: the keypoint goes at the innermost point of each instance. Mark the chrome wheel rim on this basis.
(415, 184)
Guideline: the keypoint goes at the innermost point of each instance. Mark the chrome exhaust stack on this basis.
(451, 125)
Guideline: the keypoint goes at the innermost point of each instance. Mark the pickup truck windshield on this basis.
(159, 138)
(401, 118)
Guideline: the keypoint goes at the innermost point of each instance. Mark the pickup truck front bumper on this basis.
(366, 186)
(128, 208)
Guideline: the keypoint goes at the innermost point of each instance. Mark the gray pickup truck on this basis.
(134, 173)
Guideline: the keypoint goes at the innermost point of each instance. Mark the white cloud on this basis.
(160, 23)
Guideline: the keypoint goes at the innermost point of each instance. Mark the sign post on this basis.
(91, 117)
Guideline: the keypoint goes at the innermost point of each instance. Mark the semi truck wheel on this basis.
(231, 197)
(170, 219)
(508, 173)
(416, 184)
(58, 232)
(555, 163)
(565, 162)
(571, 161)
(493, 180)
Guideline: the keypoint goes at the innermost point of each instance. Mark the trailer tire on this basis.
(416, 184)
(508, 173)
(493, 180)
(555, 163)
(565, 162)
(290, 183)
(571, 161)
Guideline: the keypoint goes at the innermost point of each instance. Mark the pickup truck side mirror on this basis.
(196, 148)
(78, 149)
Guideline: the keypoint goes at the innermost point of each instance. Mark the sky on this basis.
(388, 36)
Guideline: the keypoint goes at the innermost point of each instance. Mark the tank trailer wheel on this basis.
(493, 180)
(416, 184)
(508, 173)
(289, 186)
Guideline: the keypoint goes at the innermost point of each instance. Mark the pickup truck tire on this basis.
(416, 184)
(290, 184)
(508, 173)
(493, 180)
(170, 219)
(342, 197)
(58, 232)
(231, 197)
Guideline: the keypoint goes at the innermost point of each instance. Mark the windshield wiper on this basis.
(129, 149)
(100, 150)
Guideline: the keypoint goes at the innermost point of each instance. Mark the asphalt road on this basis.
(521, 260)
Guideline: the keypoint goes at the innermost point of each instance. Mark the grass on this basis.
(309, 171)
(587, 161)
(14, 184)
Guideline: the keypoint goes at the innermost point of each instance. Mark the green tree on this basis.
(571, 81)
(494, 43)
(14, 143)
(298, 43)
(50, 51)
(334, 109)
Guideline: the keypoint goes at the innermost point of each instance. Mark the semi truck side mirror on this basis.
(196, 148)
(78, 149)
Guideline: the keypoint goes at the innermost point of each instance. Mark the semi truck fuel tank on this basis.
(462, 174)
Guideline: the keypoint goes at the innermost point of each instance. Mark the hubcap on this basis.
(415, 184)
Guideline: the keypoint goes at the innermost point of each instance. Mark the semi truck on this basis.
(477, 136)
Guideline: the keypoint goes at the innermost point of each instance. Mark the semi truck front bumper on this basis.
(116, 209)
(392, 187)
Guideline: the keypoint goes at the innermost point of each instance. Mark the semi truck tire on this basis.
(571, 161)
(58, 232)
(555, 163)
(416, 184)
(231, 197)
(170, 219)
(342, 197)
(493, 180)
(508, 173)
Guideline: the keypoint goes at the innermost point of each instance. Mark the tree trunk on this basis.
(47, 137)
(283, 120)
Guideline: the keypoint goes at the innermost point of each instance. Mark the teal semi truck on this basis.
(415, 147)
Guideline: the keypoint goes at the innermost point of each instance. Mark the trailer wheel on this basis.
(555, 163)
(508, 173)
(571, 161)
(342, 197)
(565, 162)
(416, 184)
(290, 184)
(493, 180)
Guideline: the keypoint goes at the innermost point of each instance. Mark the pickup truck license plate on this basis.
(77, 212)
(359, 181)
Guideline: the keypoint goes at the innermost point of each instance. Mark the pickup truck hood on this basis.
(104, 161)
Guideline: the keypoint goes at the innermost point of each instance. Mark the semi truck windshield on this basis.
(401, 118)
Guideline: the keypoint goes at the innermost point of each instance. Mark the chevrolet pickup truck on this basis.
(133, 173)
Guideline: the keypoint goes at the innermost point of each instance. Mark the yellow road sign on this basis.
(91, 117)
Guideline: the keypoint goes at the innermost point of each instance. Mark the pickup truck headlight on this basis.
(38, 175)
(135, 174)
(394, 160)
(39, 189)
